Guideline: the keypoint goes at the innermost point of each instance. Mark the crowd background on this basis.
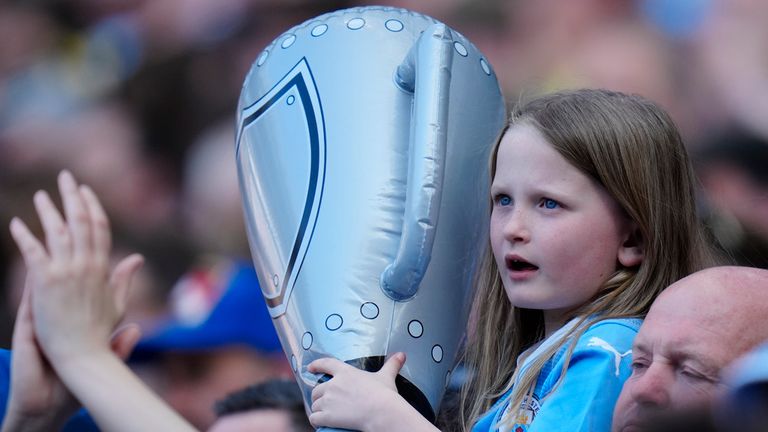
(137, 98)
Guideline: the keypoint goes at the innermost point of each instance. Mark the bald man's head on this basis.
(731, 301)
(695, 328)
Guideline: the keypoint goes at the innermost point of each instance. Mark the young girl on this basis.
(593, 214)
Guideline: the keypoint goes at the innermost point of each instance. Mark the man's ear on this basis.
(632, 250)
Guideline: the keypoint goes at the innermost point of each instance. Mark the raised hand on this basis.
(75, 303)
(71, 274)
(359, 400)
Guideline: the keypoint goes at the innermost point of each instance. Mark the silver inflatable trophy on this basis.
(362, 149)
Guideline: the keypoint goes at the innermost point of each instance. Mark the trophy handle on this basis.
(425, 72)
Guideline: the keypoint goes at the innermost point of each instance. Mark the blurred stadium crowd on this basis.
(137, 98)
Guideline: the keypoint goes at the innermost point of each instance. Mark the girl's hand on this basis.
(75, 302)
(359, 400)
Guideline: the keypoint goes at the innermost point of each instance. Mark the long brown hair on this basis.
(634, 150)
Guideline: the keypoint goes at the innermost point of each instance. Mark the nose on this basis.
(516, 227)
(652, 388)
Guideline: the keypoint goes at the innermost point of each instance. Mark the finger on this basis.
(100, 234)
(57, 234)
(327, 365)
(31, 249)
(121, 278)
(314, 419)
(318, 391)
(77, 216)
(319, 419)
(124, 340)
(393, 365)
(317, 405)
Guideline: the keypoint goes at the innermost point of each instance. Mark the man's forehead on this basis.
(702, 296)
(720, 297)
(711, 312)
(702, 310)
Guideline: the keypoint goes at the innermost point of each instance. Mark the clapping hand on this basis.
(71, 268)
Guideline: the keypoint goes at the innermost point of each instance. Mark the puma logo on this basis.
(596, 341)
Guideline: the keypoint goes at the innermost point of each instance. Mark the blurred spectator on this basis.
(623, 55)
(219, 338)
(272, 406)
(211, 210)
(102, 144)
(26, 34)
(541, 36)
(730, 50)
(745, 406)
(733, 168)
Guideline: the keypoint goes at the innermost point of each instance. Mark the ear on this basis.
(631, 252)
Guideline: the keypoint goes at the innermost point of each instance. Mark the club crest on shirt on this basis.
(529, 407)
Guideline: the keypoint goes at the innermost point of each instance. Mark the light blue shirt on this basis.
(585, 398)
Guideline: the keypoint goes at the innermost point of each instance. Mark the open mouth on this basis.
(518, 264)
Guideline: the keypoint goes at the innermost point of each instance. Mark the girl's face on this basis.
(556, 234)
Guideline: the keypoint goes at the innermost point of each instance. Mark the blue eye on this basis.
(504, 200)
(548, 203)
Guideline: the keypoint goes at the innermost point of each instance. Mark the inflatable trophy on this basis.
(362, 148)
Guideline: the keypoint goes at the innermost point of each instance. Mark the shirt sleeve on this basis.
(584, 399)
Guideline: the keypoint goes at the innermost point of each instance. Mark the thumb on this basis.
(393, 365)
(122, 276)
(124, 339)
